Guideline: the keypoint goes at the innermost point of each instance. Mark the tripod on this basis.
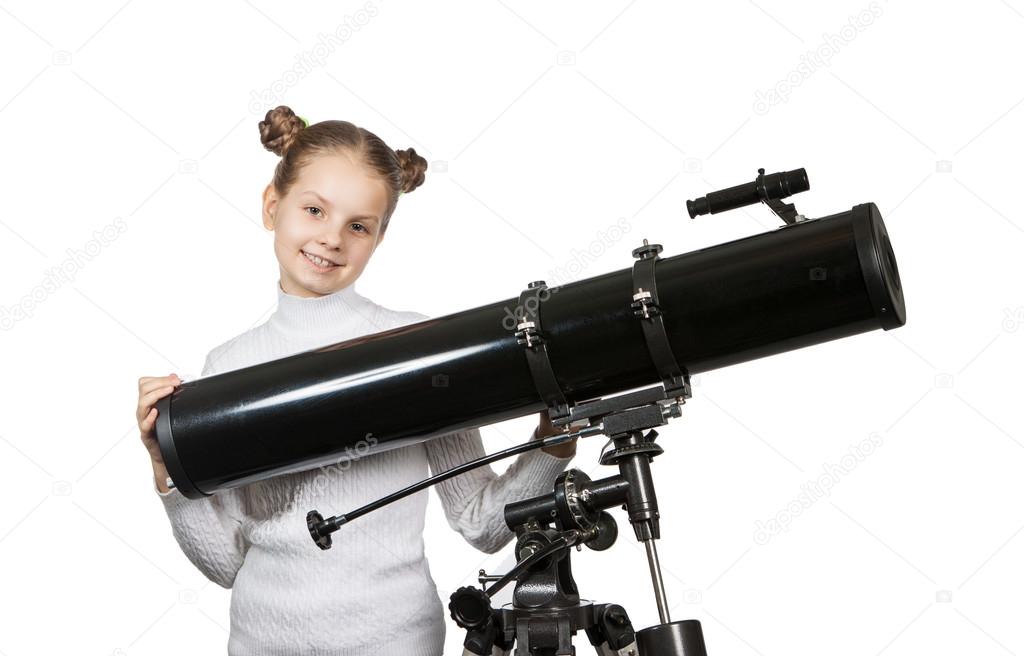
(547, 609)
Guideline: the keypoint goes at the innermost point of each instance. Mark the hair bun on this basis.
(279, 129)
(414, 169)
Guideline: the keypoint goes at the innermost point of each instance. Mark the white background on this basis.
(544, 125)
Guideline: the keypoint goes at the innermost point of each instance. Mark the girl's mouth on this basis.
(319, 264)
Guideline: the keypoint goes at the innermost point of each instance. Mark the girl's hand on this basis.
(151, 390)
(546, 429)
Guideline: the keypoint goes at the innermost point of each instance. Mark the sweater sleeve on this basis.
(208, 530)
(474, 502)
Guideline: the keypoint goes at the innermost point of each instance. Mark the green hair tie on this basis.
(305, 123)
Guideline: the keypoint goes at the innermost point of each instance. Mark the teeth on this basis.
(319, 261)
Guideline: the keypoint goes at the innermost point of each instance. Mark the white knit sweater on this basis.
(372, 592)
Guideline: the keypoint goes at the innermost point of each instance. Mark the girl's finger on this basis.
(143, 379)
(148, 413)
(160, 393)
(147, 401)
(157, 383)
(146, 424)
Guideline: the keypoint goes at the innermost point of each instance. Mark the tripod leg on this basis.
(612, 633)
(479, 643)
(544, 637)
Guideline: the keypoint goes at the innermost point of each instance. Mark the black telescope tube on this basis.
(793, 287)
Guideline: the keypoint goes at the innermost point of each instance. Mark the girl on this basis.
(329, 205)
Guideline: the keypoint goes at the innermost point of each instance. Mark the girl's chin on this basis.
(313, 285)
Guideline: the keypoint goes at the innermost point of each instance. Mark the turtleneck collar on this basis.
(333, 313)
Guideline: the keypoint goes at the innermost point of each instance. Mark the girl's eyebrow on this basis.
(319, 197)
(362, 217)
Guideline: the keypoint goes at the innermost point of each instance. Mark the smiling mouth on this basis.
(319, 262)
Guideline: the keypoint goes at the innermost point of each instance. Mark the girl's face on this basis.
(334, 212)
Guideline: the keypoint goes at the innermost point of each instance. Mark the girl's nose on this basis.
(331, 241)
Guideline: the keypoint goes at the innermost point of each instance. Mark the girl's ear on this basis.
(269, 206)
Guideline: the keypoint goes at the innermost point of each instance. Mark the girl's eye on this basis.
(360, 225)
(317, 209)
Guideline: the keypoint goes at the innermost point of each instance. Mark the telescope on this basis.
(610, 355)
